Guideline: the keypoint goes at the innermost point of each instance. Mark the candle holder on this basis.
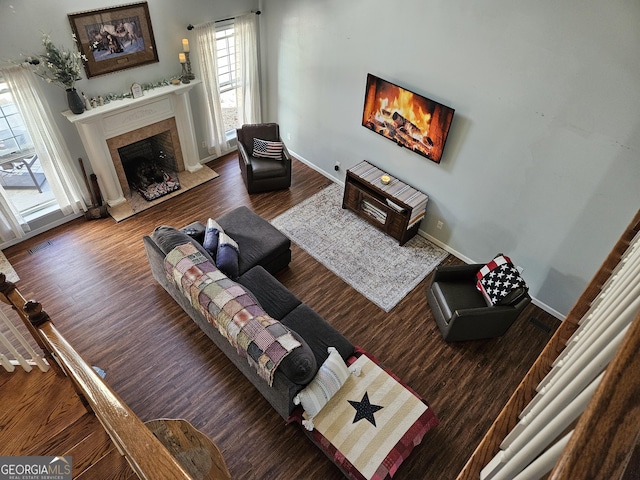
(185, 75)
(190, 74)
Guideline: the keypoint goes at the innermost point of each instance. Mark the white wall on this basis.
(23, 22)
(542, 160)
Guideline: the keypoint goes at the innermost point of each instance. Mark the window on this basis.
(14, 137)
(228, 80)
(21, 174)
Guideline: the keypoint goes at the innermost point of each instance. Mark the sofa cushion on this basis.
(319, 334)
(274, 297)
(167, 238)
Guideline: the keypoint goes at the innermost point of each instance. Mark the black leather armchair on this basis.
(460, 310)
(262, 174)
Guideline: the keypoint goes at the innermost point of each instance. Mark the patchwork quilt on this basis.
(264, 341)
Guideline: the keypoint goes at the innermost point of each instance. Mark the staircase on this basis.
(43, 415)
(68, 410)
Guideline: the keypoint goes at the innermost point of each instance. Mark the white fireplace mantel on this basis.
(118, 117)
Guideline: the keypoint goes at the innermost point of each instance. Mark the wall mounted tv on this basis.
(409, 119)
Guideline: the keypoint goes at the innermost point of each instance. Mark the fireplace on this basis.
(150, 166)
(148, 160)
(163, 112)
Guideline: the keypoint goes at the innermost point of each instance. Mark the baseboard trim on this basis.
(439, 243)
(465, 259)
(314, 167)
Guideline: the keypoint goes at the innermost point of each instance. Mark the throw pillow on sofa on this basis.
(227, 256)
(211, 237)
(167, 238)
(331, 376)
(300, 365)
(267, 149)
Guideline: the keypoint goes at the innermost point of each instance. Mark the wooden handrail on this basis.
(146, 455)
(524, 393)
(148, 458)
(612, 420)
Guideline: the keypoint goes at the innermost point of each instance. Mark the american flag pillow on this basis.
(267, 149)
(498, 278)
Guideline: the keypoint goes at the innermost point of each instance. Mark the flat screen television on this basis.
(411, 120)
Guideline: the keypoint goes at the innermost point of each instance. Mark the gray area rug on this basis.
(364, 257)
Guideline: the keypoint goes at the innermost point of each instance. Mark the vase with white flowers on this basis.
(60, 67)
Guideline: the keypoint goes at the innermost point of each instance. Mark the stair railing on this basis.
(15, 350)
(585, 382)
(148, 458)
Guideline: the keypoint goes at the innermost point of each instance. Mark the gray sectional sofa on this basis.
(263, 251)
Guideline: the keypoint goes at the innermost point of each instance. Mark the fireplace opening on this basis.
(150, 166)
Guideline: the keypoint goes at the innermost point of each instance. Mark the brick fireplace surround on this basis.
(105, 129)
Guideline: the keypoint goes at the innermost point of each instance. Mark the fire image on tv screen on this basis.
(409, 119)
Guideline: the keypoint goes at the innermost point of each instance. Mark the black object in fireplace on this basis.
(149, 178)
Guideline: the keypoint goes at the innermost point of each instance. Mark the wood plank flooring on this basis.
(43, 415)
(94, 282)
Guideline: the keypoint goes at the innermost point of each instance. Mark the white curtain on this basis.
(206, 40)
(248, 92)
(55, 158)
(12, 224)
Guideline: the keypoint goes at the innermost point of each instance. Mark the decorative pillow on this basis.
(167, 238)
(300, 365)
(267, 149)
(227, 256)
(500, 282)
(211, 235)
(332, 374)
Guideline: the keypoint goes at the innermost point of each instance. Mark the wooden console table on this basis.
(395, 208)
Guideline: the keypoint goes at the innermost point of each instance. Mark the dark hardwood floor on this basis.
(95, 283)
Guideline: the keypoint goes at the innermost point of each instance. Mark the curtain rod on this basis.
(191, 27)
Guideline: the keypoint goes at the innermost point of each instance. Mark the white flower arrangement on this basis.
(56, 65)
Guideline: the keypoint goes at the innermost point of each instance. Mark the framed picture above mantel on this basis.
(114, 38)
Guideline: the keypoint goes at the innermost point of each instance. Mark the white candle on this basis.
(185, 45)
(182, 58)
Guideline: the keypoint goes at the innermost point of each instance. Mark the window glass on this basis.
(227, 75)
(21, 174)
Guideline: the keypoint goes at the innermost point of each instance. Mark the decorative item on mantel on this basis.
(136, 90)
(61, 67)
(185, 75)
(185, 49)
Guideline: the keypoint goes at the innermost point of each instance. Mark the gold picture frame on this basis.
(115, 38)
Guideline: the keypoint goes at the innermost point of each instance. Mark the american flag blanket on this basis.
(262, 340)
(498, 278)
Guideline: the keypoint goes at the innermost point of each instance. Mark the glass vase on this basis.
(76, 104)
